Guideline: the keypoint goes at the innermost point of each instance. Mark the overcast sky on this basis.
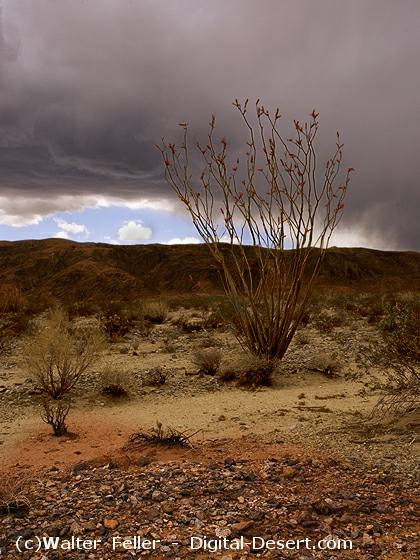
(88, 86)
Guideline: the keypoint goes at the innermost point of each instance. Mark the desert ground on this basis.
(305, 457)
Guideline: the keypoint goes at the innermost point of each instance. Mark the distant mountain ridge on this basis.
(68, 270)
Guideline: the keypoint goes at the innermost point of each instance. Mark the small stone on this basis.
(367, 539)
(223, 532)
(111, 523)
(241, 527)
(289, 472)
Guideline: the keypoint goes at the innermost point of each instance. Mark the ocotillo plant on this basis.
(267, 216)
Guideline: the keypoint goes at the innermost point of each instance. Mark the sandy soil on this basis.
(304, 405)
(229, 413)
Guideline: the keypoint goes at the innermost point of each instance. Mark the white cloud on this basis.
(62, 235)
(72, 227)
(182, 241)
(134, 231)
(21, 211)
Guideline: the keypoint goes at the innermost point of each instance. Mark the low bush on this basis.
(301, 338)
(55, 413)
(169, 437)
(169, 346)
(155, 311)
(249, 371)
(400, 327)
(114, 383)
(207, 341)
(207, 360)
(325, 363)
(327, 319)
(115, 325)
(189, 324)
(398, 354)
(58, 353)
(13, 495)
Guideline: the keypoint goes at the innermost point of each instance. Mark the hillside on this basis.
(67, 270)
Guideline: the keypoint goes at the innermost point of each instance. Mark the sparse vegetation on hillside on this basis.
(139, 271)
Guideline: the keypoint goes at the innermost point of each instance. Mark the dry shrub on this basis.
(399, 355)
(302, 338)
(115, 383)
(13, 494)
(400, 327)
(189, 324)
(58, 353)
(327, 319)
(249, 371)
(156, 312)
(324, 363)
(82, 309)
(213, 320)
(207, 360)
(170, 437)
(14, 324)
(221, 315)
(115, 325)
(54, 413)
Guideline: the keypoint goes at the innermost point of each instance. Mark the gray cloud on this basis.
(87, 87)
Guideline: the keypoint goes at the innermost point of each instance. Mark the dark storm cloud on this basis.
(87, 87)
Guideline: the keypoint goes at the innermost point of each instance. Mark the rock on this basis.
(157, 496)
(241, 528)
(110, 523)
(289, 472)
(367, 539)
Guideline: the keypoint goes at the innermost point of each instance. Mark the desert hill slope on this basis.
(68, 270)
